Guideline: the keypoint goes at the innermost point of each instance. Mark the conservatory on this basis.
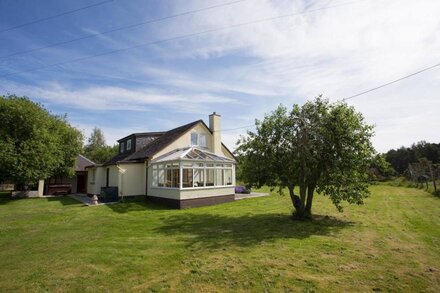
(192, 168)
(192, 177)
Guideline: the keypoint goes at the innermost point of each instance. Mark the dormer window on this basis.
(128, 145)
(198, 139)
(122, 147)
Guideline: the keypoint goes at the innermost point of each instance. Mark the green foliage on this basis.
(319, 146)
(96, 148)
(381, 169)
(35, 144)
(402, 157)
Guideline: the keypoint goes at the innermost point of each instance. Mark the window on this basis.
(194, 175)
(228, 176)
(128, 145)
(187, 178)
(122, 147)
(161, 178)
(199, 177)
(210, 177)
(194, 138)
(202, 140)
(93, 176)
(176, 178)
(198, 139)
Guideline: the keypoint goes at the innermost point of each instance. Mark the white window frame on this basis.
(203, 167)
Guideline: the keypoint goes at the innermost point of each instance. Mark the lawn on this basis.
(392, 243)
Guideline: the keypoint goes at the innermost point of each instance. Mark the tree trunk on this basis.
(310, 192)
(297, 203)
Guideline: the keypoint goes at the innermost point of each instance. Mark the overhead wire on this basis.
(55, 16)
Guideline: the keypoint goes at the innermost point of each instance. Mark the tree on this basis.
(380, 168)
(35, 144)
(319, 147)
(96, 149)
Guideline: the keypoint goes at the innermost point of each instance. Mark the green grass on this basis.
(392, 243)
(403, 182)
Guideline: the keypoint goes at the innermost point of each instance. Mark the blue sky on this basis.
(240, 73)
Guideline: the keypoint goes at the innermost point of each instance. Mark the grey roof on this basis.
(82, 162)
(155, 146)
(139, 134)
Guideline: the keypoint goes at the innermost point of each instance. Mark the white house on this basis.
(184, 167)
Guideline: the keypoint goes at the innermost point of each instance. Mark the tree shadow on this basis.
(64, 200)
(135, 204)
(219, 231)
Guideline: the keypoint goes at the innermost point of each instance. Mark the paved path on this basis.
(239, 196)
(87, 200)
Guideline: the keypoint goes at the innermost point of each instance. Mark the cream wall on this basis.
(185, 141)
(95, 187)
(132, 181)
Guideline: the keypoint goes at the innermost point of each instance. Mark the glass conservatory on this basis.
(192, 168)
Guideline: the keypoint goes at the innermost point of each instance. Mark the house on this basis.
(186, 166)
(76, 184)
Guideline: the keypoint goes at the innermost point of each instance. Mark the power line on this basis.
(56, 15)
(236, 128)
(180, 38)
(122, 28)
(391, 82)
(367, 91)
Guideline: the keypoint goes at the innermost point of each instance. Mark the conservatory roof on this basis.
(192, 154)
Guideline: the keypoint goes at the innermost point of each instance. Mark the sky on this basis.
(237, 58)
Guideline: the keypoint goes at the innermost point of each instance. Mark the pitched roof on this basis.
(155, 146)
(82, 162)
(140, 134)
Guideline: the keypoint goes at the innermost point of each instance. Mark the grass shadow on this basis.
(138, 203)
(218, 231)
(64, 200)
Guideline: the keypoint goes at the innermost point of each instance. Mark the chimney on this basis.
(214, 125)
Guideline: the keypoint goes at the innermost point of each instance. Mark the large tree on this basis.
(96, 148)
(319, 147)
(34, 143)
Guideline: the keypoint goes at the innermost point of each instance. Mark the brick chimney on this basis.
(215, 126)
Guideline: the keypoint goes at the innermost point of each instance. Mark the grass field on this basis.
(392, 243)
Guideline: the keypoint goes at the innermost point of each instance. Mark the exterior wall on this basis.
(132, 181)
(94, 187)
(185, 140)
(206, 192)
(113, 176)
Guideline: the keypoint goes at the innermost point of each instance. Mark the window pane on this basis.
(169, 177)
(122, 147)
(202, 141)
(176, 178)
(194, 139)
(198, 177)
(155, 178)
(129, 144)
(187, 178)
(219, 178)
(210, 177)
(228, 176)
(161, 178)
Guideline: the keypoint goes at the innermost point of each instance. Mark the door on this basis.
(81, 183)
